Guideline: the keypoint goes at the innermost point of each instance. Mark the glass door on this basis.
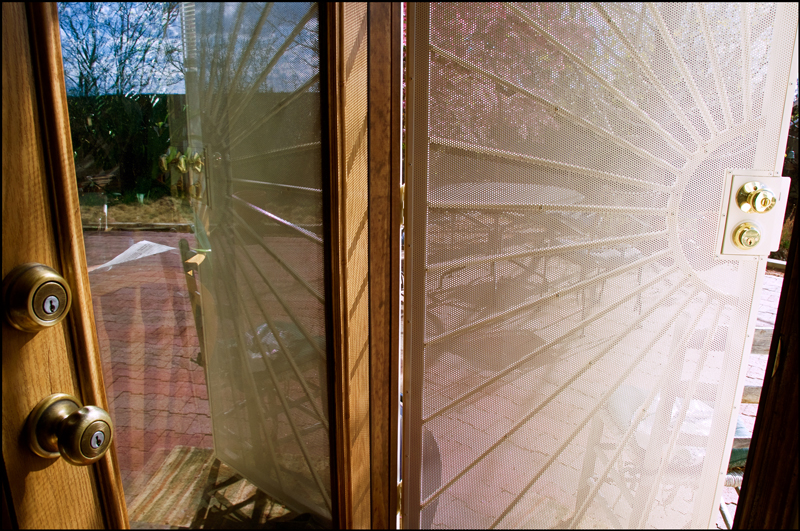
(575, 340)
(197, 138)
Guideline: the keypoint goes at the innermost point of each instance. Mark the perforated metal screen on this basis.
(574, 344)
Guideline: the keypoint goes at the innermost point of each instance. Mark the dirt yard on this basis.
(164, 210)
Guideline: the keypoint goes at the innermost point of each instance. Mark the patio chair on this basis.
(190, 271)
(634, 472)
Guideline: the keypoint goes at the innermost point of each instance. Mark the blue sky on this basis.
(296, 65)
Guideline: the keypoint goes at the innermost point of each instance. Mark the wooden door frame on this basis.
(54, 117)
(385, 110)
(380, 391)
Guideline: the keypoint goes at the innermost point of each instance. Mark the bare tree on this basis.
(120, 47)
(119, 61)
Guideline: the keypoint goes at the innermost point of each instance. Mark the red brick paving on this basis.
(757, 365)
(157, 395)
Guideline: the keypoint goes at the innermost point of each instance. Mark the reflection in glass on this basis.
(196, 132)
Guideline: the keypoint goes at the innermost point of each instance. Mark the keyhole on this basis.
(51, 304)
(97, 439)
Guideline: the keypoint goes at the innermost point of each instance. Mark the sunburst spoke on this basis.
(279, 185)
(278, 392)
(275, 153)
(746, 76)
(245, 56)
(674, 106)
(289, 269)
(213, 61)
(253, 396)
(287, 353)
(560, 112)
(599, 403)
(622, 98)
(237, 26)
(546, 251)
(543, 348)
(280, 299)
(245, 100)
(680, 64)
(688, 393)
(711, 49)
(307, 234)
(515, 311)
(253, 127)
(545, 163)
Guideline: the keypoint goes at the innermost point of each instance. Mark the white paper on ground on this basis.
(134, 252)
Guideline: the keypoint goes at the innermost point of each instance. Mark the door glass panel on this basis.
(197, 139)
(576, 342)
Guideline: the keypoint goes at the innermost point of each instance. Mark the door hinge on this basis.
(400, 499)
(777, 357)
(403, 204)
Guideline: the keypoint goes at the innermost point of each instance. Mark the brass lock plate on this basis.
(757, 197)
(59, 427)
(49, 301)
(96, 437)
(47, 412)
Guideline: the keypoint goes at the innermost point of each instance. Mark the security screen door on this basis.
(574, 341)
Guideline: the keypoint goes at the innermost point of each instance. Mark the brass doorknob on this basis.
(754, 197)
(35, 297)
(59, 427)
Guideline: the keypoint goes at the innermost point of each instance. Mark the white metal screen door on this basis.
(574, 341)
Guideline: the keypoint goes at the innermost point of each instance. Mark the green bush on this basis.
(124, 132)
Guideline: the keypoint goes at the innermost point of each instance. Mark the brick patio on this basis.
(757, 365)
(157, 393)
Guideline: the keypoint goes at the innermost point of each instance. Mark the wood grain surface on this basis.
(384, 256)
(54, 120)
(46, 493)
(348, 202)
(341, 461)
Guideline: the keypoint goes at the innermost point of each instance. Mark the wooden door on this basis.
(40, 224)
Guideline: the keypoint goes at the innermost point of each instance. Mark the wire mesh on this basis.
(575, 341)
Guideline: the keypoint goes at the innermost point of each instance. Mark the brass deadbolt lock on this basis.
(59, 427)
(746, 235)
(754, 197)
(35, 297)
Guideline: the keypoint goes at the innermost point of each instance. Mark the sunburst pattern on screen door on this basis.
(575, 344)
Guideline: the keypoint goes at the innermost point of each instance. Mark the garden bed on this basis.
(166, 213)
